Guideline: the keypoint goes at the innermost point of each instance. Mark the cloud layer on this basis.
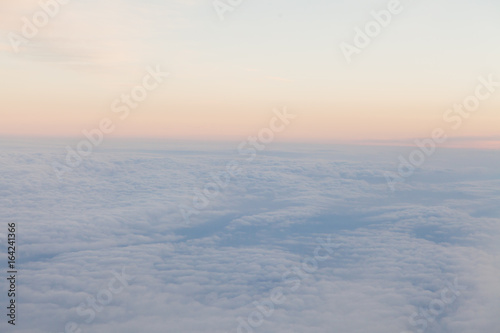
(394, 254)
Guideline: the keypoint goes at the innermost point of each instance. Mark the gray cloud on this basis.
(395, 251)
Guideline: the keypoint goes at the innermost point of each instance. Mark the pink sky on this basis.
(227, 76)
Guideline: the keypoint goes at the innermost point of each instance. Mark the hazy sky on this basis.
(227, 75)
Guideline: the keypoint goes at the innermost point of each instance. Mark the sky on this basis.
(273, 166)
(227, 73)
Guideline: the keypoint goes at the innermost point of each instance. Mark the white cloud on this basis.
(396, 252)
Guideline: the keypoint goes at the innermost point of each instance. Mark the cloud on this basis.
(118, 37)
(394, 253)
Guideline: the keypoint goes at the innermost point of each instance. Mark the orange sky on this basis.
(227, 76)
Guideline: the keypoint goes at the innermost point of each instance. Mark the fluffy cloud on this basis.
(394, 253)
